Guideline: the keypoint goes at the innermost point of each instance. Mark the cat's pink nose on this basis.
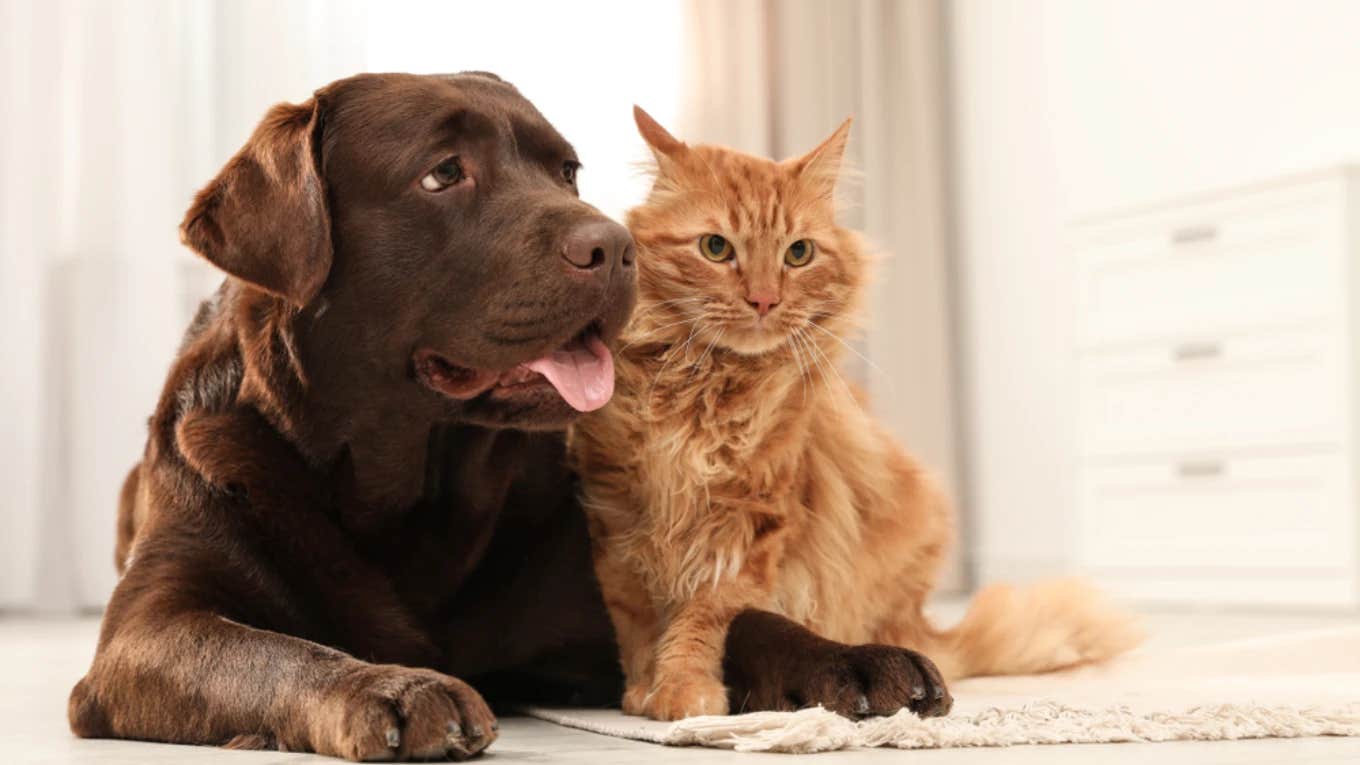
(762, 301)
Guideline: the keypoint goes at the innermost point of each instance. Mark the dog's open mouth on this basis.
(581, 371)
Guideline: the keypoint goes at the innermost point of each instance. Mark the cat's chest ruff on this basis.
(715, 413)
(709, 446)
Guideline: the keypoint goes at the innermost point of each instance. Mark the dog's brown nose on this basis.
(599, 243)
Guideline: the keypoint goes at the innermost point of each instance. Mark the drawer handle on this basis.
(1197, 351)
(1201, 469)
(1194, 235)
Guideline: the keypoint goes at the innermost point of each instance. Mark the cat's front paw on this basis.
(685, 697)
(635, 699)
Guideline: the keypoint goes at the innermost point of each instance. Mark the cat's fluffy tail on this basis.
(1040, 628)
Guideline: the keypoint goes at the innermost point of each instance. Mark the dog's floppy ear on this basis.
(263, 219)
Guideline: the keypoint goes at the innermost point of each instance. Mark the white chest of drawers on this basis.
(1218, 363)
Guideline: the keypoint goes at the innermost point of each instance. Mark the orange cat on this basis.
(734, 468)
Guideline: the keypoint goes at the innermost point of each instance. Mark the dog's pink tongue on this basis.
(582, 374)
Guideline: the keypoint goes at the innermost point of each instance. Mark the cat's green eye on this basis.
(715, 248)
(799, 253)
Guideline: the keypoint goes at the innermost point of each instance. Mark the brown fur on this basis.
(314, 537)
(736, 469)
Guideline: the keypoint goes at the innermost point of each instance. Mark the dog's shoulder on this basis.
(208, 369)
(215, 431)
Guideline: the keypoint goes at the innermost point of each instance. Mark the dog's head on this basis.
(429, 230)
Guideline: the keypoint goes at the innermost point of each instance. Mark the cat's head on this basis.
(746, 249)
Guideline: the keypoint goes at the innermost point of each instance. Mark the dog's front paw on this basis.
(854, 681)
(887, 679)
(678, 698)
(774, 663)
(387, 712)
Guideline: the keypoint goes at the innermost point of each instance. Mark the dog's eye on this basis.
(444, 175)
(569, 169)
(715, 248)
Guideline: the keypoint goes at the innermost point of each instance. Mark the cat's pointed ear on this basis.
(264, 218)
(661, 142)
(821, 167)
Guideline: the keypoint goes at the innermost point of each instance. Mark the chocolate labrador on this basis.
(353, 488)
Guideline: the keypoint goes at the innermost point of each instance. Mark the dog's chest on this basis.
(433, 546)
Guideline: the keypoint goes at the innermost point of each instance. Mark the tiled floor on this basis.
(39, 660)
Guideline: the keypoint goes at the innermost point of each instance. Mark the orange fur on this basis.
(734, 467)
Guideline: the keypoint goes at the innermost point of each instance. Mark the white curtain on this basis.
(115, 112)
(775, 78)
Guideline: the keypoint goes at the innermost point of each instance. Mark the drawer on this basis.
(1276, 388)
(1213, 269)
(1209, 516)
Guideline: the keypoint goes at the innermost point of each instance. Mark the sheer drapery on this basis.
(115, 112)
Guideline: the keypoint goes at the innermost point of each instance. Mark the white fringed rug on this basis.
(1304, 684)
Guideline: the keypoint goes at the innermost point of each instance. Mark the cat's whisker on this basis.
(671, 306)
(698, 364)
(804, 373)
(684, 348)
(701, 322)
(793, 354)
(811, 344)
(673, 303)
(807, 358)
(803, 340)
(673, 323)
(676, 353)
(811, 349)
(670, 315)
(654, 331)
(650, 336)
(848, 346)
(829, 364)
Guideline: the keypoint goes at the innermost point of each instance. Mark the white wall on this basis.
(1067, 107)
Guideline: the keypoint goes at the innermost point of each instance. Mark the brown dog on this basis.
(353, 484)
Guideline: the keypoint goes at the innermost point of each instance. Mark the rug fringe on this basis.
(820, 730)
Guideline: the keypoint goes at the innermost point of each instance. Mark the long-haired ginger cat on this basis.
(735, 469)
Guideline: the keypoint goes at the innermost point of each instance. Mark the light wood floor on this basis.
(41, 659)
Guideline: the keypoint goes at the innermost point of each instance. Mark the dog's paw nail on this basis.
(918, 692)
(475, 731)
(393, 738)
(495, 725)
(939, 693)
(862, 705)
(455, 730)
